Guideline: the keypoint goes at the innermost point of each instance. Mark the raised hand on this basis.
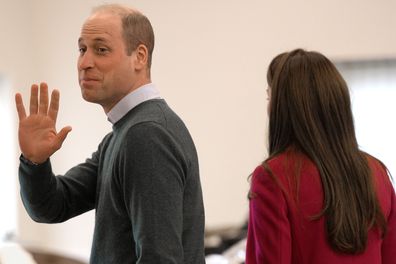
(37, 134)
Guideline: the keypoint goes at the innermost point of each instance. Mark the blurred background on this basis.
(209, 63)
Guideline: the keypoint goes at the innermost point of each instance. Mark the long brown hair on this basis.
(310, 110)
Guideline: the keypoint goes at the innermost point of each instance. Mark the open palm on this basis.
(37, 135)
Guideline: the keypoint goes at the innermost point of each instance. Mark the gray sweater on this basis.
(143, 182)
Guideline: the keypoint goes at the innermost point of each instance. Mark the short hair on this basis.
(136, 28)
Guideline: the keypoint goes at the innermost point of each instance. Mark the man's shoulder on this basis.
(155, 120)
(155, 110)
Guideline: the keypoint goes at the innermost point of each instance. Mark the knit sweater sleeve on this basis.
(152, 177)
(52, 199)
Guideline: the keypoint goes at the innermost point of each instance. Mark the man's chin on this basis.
(87, 96)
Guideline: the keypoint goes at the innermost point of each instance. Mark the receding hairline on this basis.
(136, 28)
(115, 9)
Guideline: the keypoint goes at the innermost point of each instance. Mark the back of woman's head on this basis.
(310, 102)
(310, 110)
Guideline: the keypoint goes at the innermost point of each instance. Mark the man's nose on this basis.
(85, 61)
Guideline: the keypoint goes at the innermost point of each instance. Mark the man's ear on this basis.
(141, 57)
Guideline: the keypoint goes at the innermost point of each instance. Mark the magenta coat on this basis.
(282, 231)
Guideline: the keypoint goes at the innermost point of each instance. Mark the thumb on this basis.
(61, 136)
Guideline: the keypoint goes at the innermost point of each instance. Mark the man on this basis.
(143, 180)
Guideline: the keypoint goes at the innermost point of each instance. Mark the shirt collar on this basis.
(131, 100)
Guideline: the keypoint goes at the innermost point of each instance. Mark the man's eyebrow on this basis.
(97, 39)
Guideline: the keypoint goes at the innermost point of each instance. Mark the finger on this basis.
(43, 105)
(34, 99)
(20, 107)
(61, 136)
(54, 105)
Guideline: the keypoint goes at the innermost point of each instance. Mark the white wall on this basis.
(209, 62)
(16, 69)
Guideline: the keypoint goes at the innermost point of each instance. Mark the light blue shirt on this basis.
(131, 100)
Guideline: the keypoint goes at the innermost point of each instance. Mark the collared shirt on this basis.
(138, 96)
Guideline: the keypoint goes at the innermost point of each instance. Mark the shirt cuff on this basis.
(28, 162)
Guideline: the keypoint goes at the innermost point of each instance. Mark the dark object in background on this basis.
(219, 240)
(51, 258)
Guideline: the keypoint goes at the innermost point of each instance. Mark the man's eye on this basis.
(102, 50)
(81, 50)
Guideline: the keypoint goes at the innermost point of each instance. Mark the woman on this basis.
(317, 198)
